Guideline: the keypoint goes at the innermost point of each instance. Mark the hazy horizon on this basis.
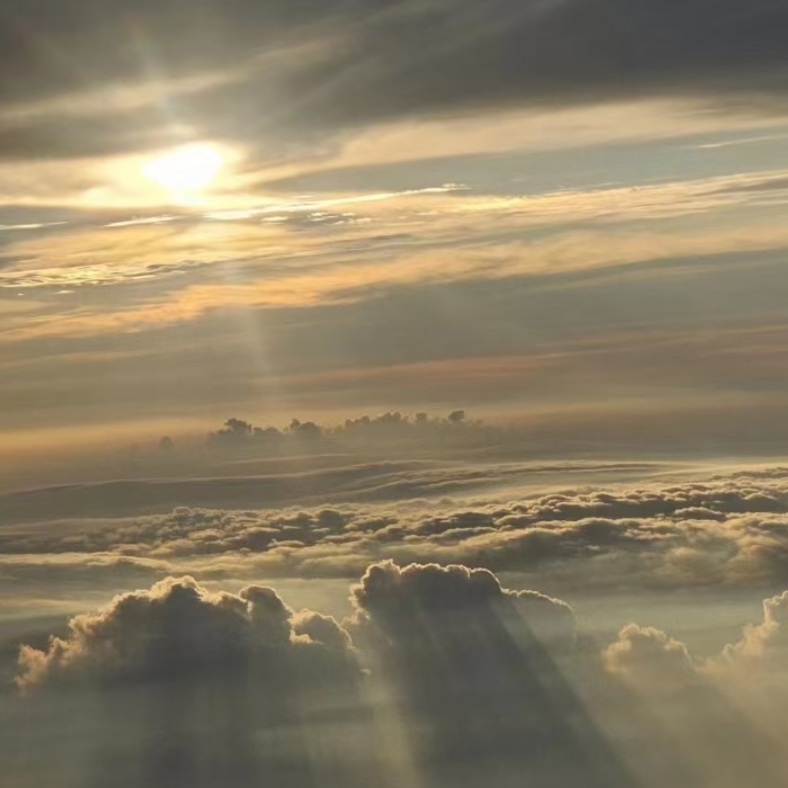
(393, 392)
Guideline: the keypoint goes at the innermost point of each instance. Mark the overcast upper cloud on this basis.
(322, 67)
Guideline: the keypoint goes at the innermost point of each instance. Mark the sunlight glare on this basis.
(187, 170)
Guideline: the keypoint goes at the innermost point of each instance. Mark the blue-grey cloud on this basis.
(195, 687)
(344, 64)
(464, 679)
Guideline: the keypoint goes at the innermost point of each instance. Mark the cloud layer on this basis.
(337, 65)
(726, 531)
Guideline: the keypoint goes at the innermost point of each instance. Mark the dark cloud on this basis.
(480, 693)
(178, 685)
(179, 631)
(342, 64)
(398, 601)
(438, 56)
(464, 683)
(49, 47)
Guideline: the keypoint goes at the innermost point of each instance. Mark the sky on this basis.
(271, 210)
(393, 390)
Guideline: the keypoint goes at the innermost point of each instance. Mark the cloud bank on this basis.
(724, 532)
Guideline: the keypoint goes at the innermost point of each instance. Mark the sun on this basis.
(186, 171)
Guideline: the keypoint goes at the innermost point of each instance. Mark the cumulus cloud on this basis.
(473, 665)
(649, 656)
(755, 666)
(196, 688)
(464, 681)
(180, 630)
(195, 682)
(727, 707)
(771, 633)
(179, 634)
(679, 703)
(398, 602)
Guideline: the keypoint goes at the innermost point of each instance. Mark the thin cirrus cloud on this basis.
(342, 65)
(418, 235)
